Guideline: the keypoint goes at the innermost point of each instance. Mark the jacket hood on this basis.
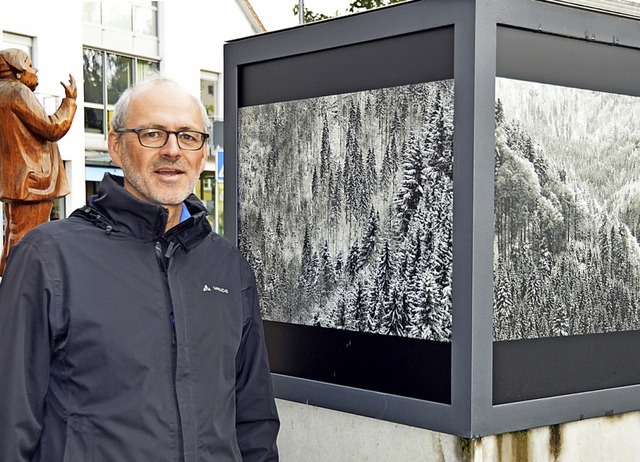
(114, 208)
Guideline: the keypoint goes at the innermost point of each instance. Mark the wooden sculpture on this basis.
(32, 173)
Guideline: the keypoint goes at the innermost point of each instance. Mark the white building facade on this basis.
(107, 46)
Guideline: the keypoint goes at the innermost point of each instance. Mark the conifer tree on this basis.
(335, 198)
(314, 183)
(380, 105)
(499, 112)
(396, 317)
(369, 178)
(353, 263)
(327, 271)
(325, 149)
(352, 167)
(389, 164)
(382, 285)
(360, 305)
(503, 304)
(370, 237)
(410, 191)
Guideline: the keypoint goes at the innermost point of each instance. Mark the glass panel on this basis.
(145, 68)
(119, 76)
(91, 12)
(93, 120)
(208, 95)
(220, 208)
(93, 76)
(109, 116)
(57, 211)
(206, 192)
(117, 15)
(145, 21)
(21, 42)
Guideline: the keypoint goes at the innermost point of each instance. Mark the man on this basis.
(32, 173)
(131, 331)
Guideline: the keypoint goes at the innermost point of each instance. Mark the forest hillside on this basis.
(345, 206)
(567, 211)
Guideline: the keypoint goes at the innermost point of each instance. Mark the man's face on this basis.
(166, 175)
(29, 76)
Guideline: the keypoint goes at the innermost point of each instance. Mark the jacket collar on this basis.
(117, 208)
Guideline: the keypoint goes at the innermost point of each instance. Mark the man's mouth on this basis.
(168, 171)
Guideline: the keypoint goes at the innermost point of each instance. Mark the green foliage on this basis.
(354, 7)
(359, 5)
(310, 16)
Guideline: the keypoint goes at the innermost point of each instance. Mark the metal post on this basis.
(301, 11)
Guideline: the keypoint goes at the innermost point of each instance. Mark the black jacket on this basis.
(121, 343)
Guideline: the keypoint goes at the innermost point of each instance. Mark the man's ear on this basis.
(115, 147)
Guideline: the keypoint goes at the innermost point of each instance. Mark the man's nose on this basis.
(172, 148)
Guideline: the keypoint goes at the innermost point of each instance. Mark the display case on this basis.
(440, 201)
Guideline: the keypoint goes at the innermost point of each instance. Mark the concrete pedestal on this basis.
(315, 434)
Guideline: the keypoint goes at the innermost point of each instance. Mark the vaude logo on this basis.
(206, 288)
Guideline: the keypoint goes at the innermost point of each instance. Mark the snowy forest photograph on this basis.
(567, 211)
(345, 209)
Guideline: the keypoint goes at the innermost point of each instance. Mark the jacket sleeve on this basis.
(24, 353)
(257, 420)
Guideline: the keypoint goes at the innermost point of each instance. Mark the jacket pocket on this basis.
(80, 440)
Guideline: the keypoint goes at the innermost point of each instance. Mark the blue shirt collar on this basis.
(185, 213)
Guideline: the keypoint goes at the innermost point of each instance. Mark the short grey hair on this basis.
(122, 106)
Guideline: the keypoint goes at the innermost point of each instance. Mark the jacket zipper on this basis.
(172, 321)
(159, 257)
(163, 263)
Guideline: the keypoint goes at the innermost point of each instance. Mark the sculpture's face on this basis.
(29, 76)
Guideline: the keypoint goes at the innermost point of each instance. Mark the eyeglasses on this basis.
(188, 140)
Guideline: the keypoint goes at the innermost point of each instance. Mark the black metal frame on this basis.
(491, 387)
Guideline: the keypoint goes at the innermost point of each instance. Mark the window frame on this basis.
(106, 106)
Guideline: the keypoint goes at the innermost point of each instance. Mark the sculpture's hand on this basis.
(38, 181)
(70, 89)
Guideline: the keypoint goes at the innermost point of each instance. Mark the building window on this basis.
(210, 191)
(106, 76)
(210, 99)
(145, 18)
(209, 92)
(206, 191)
(21, 42)
(139, 18)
